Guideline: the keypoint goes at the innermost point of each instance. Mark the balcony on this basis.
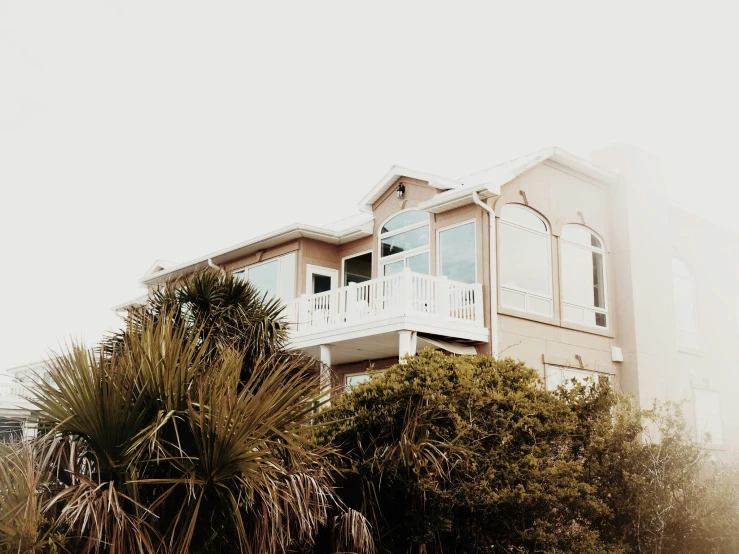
(12, 398)
(362, 321)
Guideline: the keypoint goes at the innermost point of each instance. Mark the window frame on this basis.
(342, 273)
(701, 438)
(438, 244)
(382, 261)
(562, 300)
(279, 294)
(562, 368)
(694, 290)
(520, 290)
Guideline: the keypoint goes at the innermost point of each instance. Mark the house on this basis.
(16, 413)
(578, 268)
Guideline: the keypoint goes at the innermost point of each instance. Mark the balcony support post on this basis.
(326, 370)
(407, 341)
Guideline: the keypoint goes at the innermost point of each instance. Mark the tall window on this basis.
(583, 277)
(404, 242)
(525, 261)
(708, 416)
(457, 253)
(275, 277)
(684, 291)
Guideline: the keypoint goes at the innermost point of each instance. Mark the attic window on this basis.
(404, 242)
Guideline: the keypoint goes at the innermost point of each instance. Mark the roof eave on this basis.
(293, 232)
(395, 173)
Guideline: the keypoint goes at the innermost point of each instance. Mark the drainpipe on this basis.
(493, 274)
(214, 266)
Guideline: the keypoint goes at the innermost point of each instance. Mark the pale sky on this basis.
(137, 130)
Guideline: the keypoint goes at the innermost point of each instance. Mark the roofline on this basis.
(365, 205)
(291, 232)
(586, 167)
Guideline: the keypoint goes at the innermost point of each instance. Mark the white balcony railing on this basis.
(403, 294)
(12, 395)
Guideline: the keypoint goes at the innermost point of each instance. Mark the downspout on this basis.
(493, 275)
(214, 266)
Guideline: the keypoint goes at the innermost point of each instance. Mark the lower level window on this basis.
(352, 380)
(557, 376)
(708, 416)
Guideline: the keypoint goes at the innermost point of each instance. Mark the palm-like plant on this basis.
(189, 431)
(178, 454)
(229, 310)
(24, 477)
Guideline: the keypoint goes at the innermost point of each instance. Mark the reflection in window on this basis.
(404, 242)
(358, 269)
(264, 277)
(457, 253)
(684, 292)
(583, 277)
(708, 416)
(525, 261)
(275, 277)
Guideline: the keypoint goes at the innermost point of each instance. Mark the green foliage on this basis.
(463, 454)
(179, 436)
(469, 454)
(228, 310)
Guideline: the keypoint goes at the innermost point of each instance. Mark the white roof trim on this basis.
(158, 265)
(394, 174)
(268, 240)
(516, 167)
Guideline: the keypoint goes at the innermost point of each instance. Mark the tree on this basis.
(463, 454)
(180, 435)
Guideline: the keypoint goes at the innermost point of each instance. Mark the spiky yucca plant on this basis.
(230, 311)
(177, 454)
(24, 478)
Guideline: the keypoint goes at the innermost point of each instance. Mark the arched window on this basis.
(583, 277)
(684, 291)
(525, 261)
(404, 242)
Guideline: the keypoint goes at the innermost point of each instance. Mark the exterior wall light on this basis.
(401, 190)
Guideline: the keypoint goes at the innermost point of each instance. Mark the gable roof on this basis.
(395, 173)
(357, 227)
(488, 183)
(456, 192)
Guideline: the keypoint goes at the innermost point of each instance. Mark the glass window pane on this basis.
(684, 295)
(513, 299)
(405, 241)
(394, 267)
(540, 305)
(523, 216)
(351, 381)
(582, 277)
(457, 253)
(321, 283)
(524, 260)
(404, 219)
(419, 263)
(708, 416)
(580, 235)
(358, 269)
(264, 277)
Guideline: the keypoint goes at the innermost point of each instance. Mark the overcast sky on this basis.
(137, 130)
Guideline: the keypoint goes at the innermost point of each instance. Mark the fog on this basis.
(131, 131)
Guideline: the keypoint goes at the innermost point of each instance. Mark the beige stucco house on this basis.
(576, 267)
